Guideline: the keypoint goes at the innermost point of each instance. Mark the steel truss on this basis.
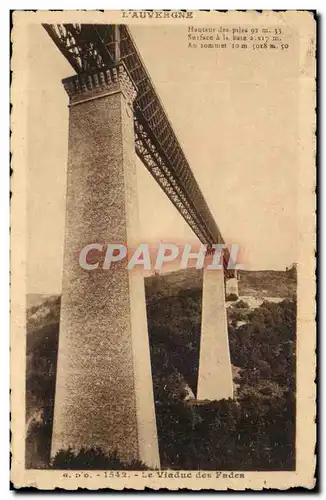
(90, 47)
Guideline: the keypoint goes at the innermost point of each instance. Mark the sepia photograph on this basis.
(163, 249)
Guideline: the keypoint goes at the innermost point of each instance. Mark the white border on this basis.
(4, 180)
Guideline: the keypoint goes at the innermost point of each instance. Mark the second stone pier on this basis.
(215, 373)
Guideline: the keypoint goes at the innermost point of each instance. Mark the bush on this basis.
(93, 459)
(241, 304)
(231, 297)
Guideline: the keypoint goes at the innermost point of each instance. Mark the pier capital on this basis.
(106, 81)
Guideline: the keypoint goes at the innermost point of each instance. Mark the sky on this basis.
(236, 117)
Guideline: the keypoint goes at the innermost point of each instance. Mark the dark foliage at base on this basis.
(92, 459)
(256, 431)
(174, 333)
(227, 435)
(41, 365)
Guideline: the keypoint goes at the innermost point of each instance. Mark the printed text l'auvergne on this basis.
(160, 14)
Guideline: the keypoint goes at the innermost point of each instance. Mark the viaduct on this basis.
(104, 393)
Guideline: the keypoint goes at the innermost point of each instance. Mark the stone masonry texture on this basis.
(104, 394)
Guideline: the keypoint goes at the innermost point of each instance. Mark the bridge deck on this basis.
(89, 47)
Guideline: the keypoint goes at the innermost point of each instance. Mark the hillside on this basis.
(257, 284)
(254, 431)
(262, 284)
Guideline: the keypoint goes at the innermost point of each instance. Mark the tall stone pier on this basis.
(215, 374)
(104, 394)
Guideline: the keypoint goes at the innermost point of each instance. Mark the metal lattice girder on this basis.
(90, 47)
